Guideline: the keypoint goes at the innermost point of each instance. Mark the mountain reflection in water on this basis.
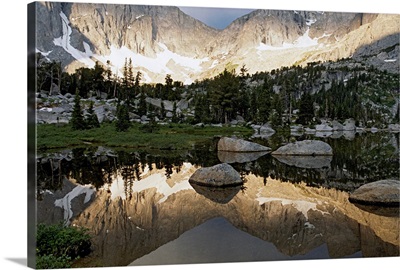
(141, 208)
(217, 241)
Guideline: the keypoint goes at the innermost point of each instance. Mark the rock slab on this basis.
(221, 175)
(240, 145)
(305, 148)
(383, 193)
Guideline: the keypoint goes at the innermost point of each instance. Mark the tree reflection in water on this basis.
(364, 159)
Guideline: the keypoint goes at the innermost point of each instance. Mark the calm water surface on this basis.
(141, 209)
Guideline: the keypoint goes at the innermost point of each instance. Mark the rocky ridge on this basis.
(163, 40)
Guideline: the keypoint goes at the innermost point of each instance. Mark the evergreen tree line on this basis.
(301, 95)
(78, 121)
(284, 96)
(101, 80)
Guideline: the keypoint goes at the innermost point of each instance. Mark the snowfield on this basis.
(304, 41)
(65, 42)
(117, 56)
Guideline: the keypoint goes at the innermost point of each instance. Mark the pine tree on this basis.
(125, 74)
(306, 112)
(77, 120)
(142, 107)
(276, 115)
(202, 109)
(224, 95)
(122, 123)
(137, 82)
(92, 121)
(98, 84)
(174, 114)
(168, 87)
(243, 71)
(162, 111)
(131, 79)
(263, 104)
(253, 106)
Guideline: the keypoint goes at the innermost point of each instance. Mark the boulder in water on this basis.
(305, 148)
(240, 145)
(221, 175)
(383, 193)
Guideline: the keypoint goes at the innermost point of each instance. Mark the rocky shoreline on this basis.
(57, 109)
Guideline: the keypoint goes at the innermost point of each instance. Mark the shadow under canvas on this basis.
(20, 261)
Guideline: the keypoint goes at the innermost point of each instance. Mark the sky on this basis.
(218, 18)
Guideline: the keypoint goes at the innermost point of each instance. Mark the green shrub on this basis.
(60, 245)
(51, 262)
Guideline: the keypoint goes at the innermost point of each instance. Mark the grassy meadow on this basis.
(171, 136)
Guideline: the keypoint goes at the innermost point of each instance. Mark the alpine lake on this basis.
(140, 208)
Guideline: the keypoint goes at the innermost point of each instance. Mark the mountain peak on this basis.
(164, 40)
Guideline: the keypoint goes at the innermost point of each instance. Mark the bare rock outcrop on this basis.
(305, 148)
(240, 145)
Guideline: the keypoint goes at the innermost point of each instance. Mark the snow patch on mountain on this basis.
(65, 42)
(302, 42)
(117, 56)
(187, 62)
(158, 64)
(44, 54)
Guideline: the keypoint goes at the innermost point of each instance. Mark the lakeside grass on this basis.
(172, 136)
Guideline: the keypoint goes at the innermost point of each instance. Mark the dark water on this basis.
(195, 225)
(364, 159)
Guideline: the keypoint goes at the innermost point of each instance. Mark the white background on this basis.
(13, 219)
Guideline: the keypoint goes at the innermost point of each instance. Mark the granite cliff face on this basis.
(163, 40)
